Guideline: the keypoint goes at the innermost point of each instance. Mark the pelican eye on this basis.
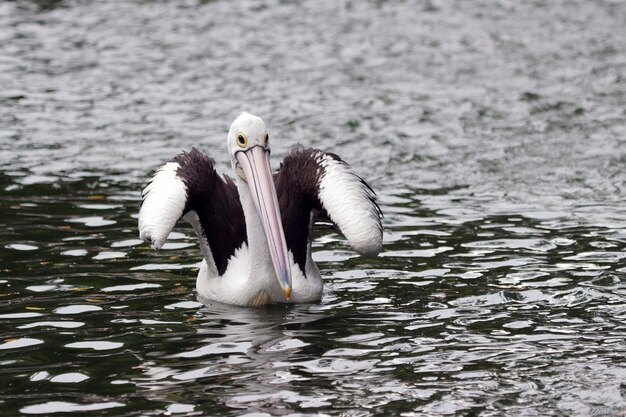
(267, 138)
(241, 140)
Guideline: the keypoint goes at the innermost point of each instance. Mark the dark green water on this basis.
(493, 133)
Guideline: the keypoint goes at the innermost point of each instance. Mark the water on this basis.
(492, 131)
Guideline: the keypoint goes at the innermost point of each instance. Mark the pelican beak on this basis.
(255, 163)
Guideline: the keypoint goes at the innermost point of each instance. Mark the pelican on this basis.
(255, 231)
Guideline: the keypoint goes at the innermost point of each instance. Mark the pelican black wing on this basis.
(190, 184)
(311, 180)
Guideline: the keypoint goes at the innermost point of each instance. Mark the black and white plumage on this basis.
(255, 231)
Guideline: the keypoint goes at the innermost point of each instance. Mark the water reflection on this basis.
(247, 347)
(487, 312)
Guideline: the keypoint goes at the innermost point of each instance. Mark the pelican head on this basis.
(248, 146)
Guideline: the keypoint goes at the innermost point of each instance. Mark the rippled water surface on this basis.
(492, 131)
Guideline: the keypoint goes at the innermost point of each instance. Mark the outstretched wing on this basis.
(309, 179)
(190, 187)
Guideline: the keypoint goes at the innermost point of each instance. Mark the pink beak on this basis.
(255, 163)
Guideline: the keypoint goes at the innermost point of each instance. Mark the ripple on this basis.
(180, 408)
(56, 324)
(417, 253)
(361, 338)
(216, 349)
(283, 345)
(149, 321)
(177, 245)
(597, 256)
(330, 365)
(201, 373)
(95, 345)
(109, 255)
(39, 376)
(49, 287)
(77, 309)
(520, 324)
(20, 315)
(332, 256)
(437, 272)
(185, 305)
(21, 247)
(131, 287)
(303, 401)
(69, 378)
(126, 243)
(92, 221)
(164, 267)
(74, 252)
(20, 343)
(67, 407)
(100, 206)
(530, 244)
(347, 352)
